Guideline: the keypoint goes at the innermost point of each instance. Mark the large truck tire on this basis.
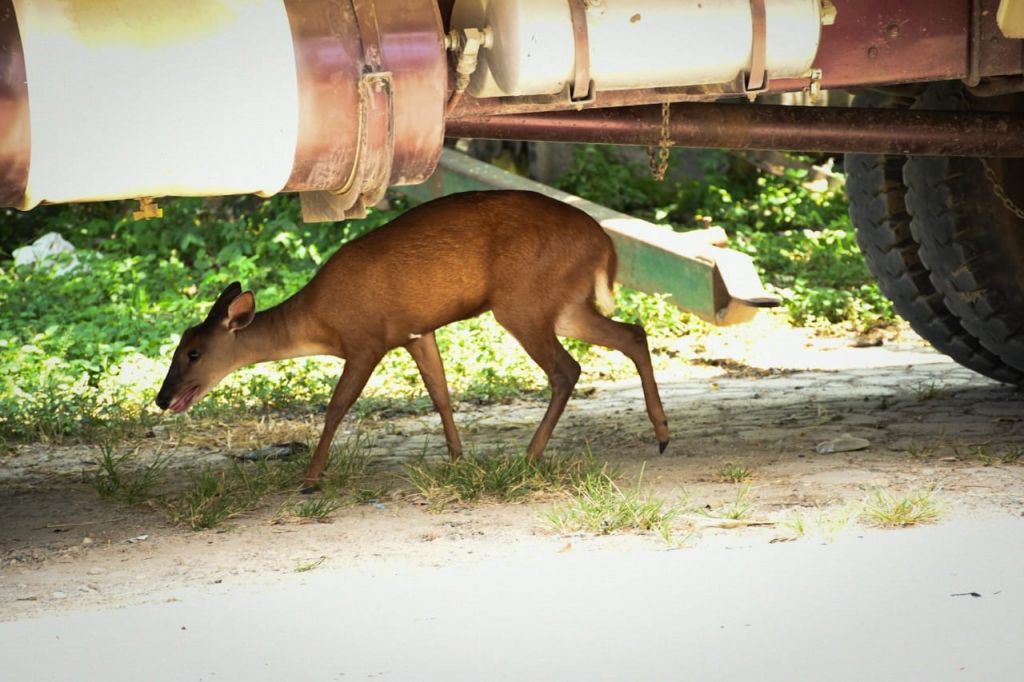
(965, 217)
(878, 211)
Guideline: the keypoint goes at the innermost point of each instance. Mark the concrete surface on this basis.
(885, 605)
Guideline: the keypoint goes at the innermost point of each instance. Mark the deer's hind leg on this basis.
(582, 321)
(537, 337)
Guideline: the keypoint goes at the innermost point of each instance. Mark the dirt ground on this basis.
(763, 396)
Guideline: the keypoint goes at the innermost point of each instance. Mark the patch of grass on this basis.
(119, 478)
(739, 509)
(215, 495)
(317, 508)
(733, 472)
(211, 497)
(931, 390)
(599, 505)
(502, 478)
(887, 510)
(303, 567)
(829, 523)
(346, 464)
(988, 456)
(371, 495)
(796, 523)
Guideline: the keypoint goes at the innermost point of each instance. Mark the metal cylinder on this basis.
(635, 43)
(789, 128)
(129, 99)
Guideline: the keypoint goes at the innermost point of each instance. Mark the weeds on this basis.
(738, 510)
(732, 472)
(830, 523)
(887, 510)
(310, 565)
(214, 496)
(599, 505)
(371, 495)
(796, 523)
(988, 457)
(502, 478)
(118, 478)
(317, 508)
(932, 390)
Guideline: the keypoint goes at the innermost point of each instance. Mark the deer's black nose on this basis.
(163, 401)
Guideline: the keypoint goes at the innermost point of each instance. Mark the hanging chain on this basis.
(659, 161)
(1000, 191)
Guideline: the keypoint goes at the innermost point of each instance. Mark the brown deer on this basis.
(543, 267)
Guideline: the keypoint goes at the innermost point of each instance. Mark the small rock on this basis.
(272, 452)
(87, 540)
(96, 570)
(59, 595)
(844, 443)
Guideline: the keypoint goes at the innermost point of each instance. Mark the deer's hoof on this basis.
(661, 447)
(309, 488)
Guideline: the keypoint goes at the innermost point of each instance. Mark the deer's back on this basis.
(450, 258)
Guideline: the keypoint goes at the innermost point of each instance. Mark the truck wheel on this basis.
(971, 231)
(875, 188)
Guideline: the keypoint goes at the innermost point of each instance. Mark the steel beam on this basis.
(716, 284)
(784, 128)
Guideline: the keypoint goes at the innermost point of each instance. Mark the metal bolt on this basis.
(828, 13)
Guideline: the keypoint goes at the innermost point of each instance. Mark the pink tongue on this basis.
(182, 403)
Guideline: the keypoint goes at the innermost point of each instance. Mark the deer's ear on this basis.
(241, 311)
(220, 306)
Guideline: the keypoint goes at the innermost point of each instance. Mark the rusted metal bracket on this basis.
(717, 284)
(757, 79)
(368, 181)
(581, 88)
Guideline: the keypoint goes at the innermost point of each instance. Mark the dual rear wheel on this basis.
(942, 237)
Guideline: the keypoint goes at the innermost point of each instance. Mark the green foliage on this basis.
(801, 240)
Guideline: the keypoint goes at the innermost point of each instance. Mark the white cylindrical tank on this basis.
(142, 99)
(635, 43)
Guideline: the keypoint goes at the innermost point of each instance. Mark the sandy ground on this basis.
(763, 397)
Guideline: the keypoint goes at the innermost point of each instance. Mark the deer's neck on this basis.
(275, 334)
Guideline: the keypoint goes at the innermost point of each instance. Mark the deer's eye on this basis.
(193, 355)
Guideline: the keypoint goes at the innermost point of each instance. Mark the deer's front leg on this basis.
(353, 378)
